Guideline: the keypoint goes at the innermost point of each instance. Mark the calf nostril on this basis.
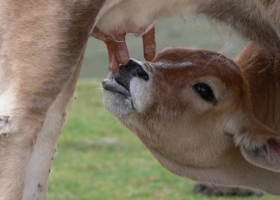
(142, 74)
(134, 69)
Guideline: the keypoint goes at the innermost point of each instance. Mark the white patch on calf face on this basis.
(140, 93)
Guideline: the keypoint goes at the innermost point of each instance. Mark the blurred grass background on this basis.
(97, 157)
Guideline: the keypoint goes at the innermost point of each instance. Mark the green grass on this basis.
(99, 159)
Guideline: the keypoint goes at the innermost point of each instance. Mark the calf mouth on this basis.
(119, 81)
(114, 83)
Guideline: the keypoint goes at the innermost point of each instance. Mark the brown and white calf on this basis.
(201, 116)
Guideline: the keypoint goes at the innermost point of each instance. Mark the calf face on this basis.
(192, 110)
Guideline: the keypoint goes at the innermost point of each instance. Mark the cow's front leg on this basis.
(36, 181)
(42, 43)
(19, 128)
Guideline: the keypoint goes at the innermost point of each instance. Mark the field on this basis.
(98, 158)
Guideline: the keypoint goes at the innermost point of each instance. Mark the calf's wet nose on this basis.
(133, 69)
(126, 73)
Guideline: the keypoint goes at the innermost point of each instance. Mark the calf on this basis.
(202, 116)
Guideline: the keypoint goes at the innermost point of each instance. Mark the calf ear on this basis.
(259, 144)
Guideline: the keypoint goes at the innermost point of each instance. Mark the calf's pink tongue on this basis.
(117, 49)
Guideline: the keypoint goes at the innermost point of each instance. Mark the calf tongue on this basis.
(117, 49)
(113, 86)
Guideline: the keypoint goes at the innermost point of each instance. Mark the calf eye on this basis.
(204, 91)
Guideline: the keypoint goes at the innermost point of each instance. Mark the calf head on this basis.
(192, 110)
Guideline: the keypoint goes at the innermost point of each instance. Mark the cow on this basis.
(41, 49)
